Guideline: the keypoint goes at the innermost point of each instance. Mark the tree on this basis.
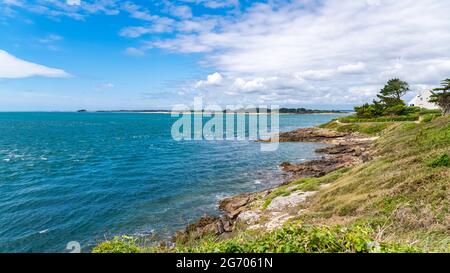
(441, 96)
(392, 92)
(369, 110)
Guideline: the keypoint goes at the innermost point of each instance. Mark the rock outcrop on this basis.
(207, 225)
(313, 135)
(347, 149)
(347, 153)
(234, 205)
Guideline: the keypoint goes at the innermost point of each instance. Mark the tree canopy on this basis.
(392, 92)
(390, 103)
(441, 96)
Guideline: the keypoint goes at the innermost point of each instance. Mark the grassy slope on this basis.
(398, 202)
(399, 193)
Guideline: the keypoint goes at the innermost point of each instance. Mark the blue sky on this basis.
(108, 54)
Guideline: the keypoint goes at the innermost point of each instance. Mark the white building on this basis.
(421, 100)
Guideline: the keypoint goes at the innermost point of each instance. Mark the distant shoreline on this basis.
(311, 112)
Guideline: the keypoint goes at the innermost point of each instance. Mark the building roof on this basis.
(421, 100)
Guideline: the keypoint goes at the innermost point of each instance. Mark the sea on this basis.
(87, 177)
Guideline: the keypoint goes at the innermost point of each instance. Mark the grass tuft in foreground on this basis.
(294, 238)
(119, 244)
(442, 161)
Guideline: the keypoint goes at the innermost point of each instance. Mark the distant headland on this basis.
(254, 110)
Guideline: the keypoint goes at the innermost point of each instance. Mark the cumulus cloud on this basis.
(211, 80)
(249, 86)
(333, 45)
(13, 68)
(341, 51)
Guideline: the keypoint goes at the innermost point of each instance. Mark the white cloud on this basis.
(181, 11)
(331, 46)
(50, 38)
(211, 80)
(133, 51)
(249, 86)
(134, 32)
(106, 85)
(73, 2)
(352, 68)
(12, 68)
(18, 3)
(340, 51)
(214, 4)
(317, 75)
(366, 91)
(137, 11)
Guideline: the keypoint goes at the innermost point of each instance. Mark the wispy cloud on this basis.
(12, 67)
(75, 9)
(214, 4)
(50, 39)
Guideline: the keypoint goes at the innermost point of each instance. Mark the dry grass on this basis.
(398, 192)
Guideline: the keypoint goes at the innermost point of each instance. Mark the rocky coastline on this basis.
(244, 211)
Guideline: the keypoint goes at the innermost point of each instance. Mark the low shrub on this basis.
(428, 118)
(442, 161)
(119, 244)
(295, 238)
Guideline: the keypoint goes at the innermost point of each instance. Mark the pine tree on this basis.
(393, 91)
(441, 96)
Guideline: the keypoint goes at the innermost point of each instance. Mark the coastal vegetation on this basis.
(398, 201)
(441, 96)
(292, 238)
(368, 128)
(390, 107)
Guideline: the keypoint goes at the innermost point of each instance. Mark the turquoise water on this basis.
(83, 176)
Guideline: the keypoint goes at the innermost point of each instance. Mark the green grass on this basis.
(294, 238)
(441, 161)
(304, 184)
(404, 191)
(355, 119)
(411, 114)
(428, 117)
(370, 128)
(414, 115)
(119, 244)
